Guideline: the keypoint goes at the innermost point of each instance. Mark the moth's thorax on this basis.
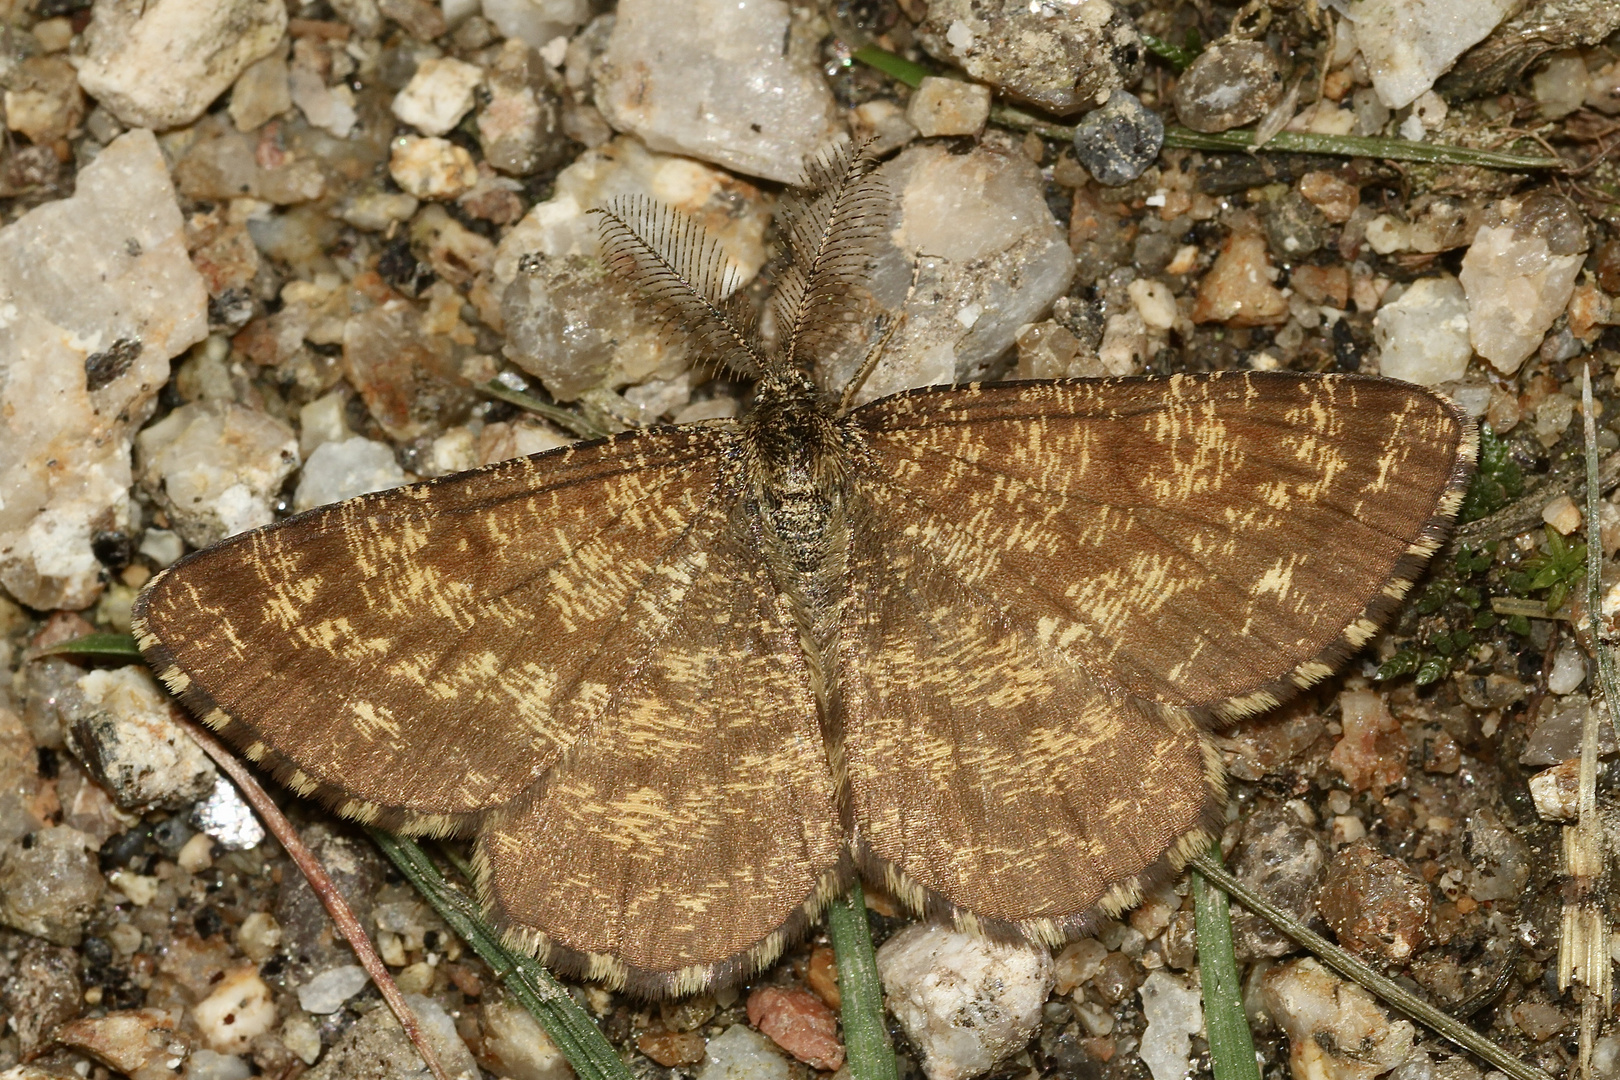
(795, 445)
(797, 460)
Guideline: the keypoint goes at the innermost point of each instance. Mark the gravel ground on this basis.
(257, 258)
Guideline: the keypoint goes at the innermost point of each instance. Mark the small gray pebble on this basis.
(1119, 140)
(1230, 84)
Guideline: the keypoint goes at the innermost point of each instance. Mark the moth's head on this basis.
(823, 309)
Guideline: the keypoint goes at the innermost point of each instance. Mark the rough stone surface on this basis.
(49, 884)
(431, 167)
(1556, 735)
(376, 1048)
(215, 467)
(206, 1064)
(1118, 141)
(798, 1022)
(711, 79)
(1407, 46)
(1519, 276)
(1230, 84)
(21, 786)
(261, 92)
(671, 1048)
(1284, 859)
(537, 22)
(1377, 906)
(438, 95)
(1499, 860)
(137, 1042)
(226, 817)
(41, 992)
(520, 127)
(97, 296)
(122, 726)
(575, 326)
(408, 377)
(1423, 337)
(964, 1002)
(327, 991)
(222, 163)
(1371, 753)
(1062, 57)
(1238, 289)
(1334, 1028)
(1556, 791)
(519, 1046)
(160, 64)
(1175, 1013)
(1569, 662)
(948, 107)
(328, 107)
(991, 259)
(345, 468)
(881, 125)
(741, 1053)
(43, 101)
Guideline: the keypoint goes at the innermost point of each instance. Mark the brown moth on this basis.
(682, 684)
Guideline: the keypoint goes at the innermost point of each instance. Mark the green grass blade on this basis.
(1367, 146)
(1176, 56)
(1353, 969)
(866, 1038)
(95, 647)
(569, 1026)
(1295, 142)
(580, 425)
(895, 67)
(1231, 1043)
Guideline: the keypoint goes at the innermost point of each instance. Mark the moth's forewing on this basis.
(416, 657)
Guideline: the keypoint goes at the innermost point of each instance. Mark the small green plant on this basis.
(1177, 56)
(1557, 571)
(1497, 481)
(1430, 658)
(1431, 663)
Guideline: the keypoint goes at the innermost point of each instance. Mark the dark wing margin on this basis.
(1215, 542)
(411, 658)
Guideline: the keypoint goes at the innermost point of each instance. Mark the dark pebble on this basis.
(1118, 978)
(1118, 141)
(1377, 906)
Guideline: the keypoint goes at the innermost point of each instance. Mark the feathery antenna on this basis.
(686, 278)
(835, 226)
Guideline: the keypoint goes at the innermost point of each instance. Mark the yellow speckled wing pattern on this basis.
(416, 656)
(693, 833)
(1053, 581)
(1194, 541)
(570, 656)
(588, 659)
(986, 769)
